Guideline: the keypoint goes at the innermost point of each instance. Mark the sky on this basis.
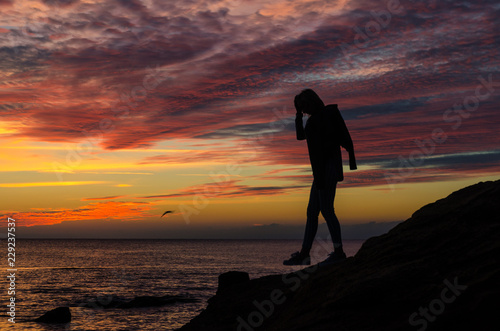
(112, 112)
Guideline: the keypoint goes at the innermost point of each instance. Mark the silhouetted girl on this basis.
(325, 132)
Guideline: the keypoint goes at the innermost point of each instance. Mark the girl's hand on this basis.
(297, 105)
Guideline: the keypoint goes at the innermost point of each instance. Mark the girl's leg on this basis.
(313, 209)
(326, 200)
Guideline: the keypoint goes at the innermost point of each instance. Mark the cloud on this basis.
(61, 183)
(104, 198)
(397, 106)
(59, 3)
(6, 2)
(110, 210)
(223, 66)
(458, 160)
(227, 189)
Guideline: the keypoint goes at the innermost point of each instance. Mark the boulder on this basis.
(231, 278)
(57, 315)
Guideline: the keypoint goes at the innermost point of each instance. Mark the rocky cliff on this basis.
(438, 270)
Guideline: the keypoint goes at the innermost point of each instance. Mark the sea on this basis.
(87, 274)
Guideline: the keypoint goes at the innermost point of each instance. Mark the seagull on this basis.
(167, 212)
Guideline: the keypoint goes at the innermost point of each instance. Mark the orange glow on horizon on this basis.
(100, 210)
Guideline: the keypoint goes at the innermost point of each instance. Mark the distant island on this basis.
(438, 270)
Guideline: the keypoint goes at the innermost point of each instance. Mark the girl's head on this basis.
(309, 102)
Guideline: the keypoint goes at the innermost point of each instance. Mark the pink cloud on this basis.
(222, 74)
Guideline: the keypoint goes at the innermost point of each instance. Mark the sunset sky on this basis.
(112, 112)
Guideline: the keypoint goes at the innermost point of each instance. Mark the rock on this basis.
(437, 270)
(57, 315)
(231, 278)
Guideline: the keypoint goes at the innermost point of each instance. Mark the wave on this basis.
(147, 301)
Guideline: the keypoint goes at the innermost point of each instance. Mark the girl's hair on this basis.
(309, 96)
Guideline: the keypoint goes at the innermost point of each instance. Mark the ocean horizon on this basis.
(86, 274)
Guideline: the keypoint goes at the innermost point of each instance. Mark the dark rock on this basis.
(102, 302)
(450, 246)
(58, 315)
(231, 278)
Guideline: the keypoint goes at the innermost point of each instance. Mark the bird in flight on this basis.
(167, 212)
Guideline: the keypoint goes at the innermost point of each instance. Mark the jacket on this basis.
(326, 132)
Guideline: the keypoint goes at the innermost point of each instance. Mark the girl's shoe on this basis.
(333, 258)
(298, 259)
